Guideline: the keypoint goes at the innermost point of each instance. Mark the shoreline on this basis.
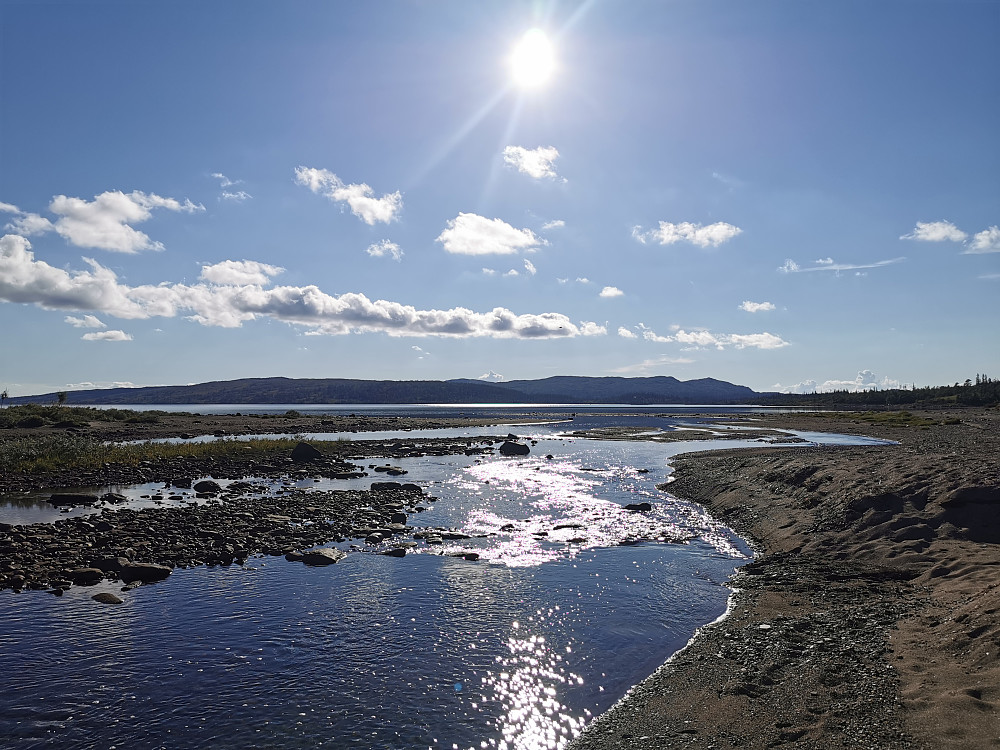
(868, 617)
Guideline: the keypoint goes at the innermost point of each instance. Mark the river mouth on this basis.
(555, 600)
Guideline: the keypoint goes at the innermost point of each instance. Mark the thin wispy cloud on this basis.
(87, 321)
(827, 264)
(703, 339)
(224, 181)
(384, 249)
(556, 224)
(649, 366)
(360, 198)
(711, 235)
(530, 267)
(25, 280)
(536, 162)
(756, 307)
(104, 223)
(472, 234)
(238, 197)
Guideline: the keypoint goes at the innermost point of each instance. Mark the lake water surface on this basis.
(561, 614)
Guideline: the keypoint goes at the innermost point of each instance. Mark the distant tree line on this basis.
(983, 391)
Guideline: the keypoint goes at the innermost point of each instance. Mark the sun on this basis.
(533, 60)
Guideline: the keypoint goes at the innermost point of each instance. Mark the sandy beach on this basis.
(870, 615)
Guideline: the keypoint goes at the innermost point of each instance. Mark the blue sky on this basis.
(784, 194)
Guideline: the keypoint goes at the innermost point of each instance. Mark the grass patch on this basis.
(39, 415)
(36, 455)
(887, 418)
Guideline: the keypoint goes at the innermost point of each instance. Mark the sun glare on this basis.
(533, 60)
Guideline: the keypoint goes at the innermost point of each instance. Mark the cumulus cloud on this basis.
(535, 163)
(611, 291)
(240, 272)
(593, 329)
(360, 198)
(865, 380)
(385, 248)
(556, 224)
(987, 241)
(935, 231)
(489, 272)
(107, 336)
(104, 223)
(472, 234)
(626, 333)
(827, 264)
(755, 307)
(710, 235)
(492, 377)
(87, 321)
(25, 280)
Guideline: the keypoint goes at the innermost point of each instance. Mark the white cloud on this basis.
(556, 224)
(530, 267)
(9, 208)
(593, 329)
(652, 365)
(360, 198)
(987, 241)
(87, 321)
(104, 223)
(935, 231)
(827, 264)
(990, 276)
(225, 181)
(611, 291)
(240, 272)
(384, 248)
(489, 272)
(493, 377)
(512, 272)
(865, 380)
(535, 163)
(625, 333)
(25, 280)
(703, 236)
(720, 341)
(582, 280)
(107, 336)
(472, 234)
(754, 307)
(238, 197)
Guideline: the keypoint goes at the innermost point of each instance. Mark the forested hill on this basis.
(557, 390)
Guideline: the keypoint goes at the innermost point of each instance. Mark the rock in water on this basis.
(514, 449)
(304, 453)
(106, 597)
(640, 507)
(145, 572)
(323, 556)
(208, 486)
(72, 498)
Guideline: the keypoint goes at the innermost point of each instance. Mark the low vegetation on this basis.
(38, 415)
(48, 453)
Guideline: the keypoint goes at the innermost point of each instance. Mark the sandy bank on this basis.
(870, 618)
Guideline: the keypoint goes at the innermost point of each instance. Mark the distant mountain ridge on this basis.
(564, 389)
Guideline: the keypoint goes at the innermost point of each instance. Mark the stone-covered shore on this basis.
(216, 525)
(871, 615)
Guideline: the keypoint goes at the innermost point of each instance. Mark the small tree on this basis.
(61, 398)
(3, 397)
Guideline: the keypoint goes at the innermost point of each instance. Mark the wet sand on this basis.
(871, 615)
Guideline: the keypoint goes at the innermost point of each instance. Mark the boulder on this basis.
(106, 597)
(639, 507)
(145, 572)
(304, 453)
(323, 556)
(72, 498)
(385, 486)
(86, 576)
(207, 487)
(113, 497)
(394, 552)
(514, 449)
